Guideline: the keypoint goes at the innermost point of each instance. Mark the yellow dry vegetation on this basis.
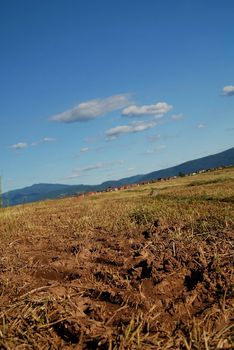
(148, 267)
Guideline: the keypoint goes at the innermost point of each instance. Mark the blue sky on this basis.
(98, 90)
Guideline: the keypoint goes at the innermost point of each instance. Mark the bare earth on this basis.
(129, 270)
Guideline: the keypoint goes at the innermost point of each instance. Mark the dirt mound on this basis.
(137, 290)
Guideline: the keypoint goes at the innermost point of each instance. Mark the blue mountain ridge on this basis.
(44, 191)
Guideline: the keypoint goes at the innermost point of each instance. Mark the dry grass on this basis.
(146, 268)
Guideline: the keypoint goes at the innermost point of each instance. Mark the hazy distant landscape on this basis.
(50, 191)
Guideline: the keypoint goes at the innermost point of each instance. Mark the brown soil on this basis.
(138, 290)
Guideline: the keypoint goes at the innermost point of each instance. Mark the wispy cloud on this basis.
(201, 126)
(156, 110)
(154, 138)
(22, 145)
(155, 150)
(48, 139)
(92, 109)
(177, 117)
(94, 167)
(84, 149)
(127, 129)
(19, 145)
(43, 140)
(228, 90)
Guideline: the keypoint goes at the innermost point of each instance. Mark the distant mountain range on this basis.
(39, 192)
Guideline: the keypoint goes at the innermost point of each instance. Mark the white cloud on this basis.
(19, 145)
(92, 109)
(127, 129)
(157, 110)
(98, 166)
(155, 150)
(81, 171)
(228, 90)
(176, 117)
(43, 140)
(84, 149)
(200, 126)
(48, 139)
(92, 167)
(154, 138)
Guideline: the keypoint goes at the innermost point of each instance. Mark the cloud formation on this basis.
(154, 138)
(157, 137)
(176, 117)
(155, 150)
(156, 110)
(43, 140)
(84, 149)
(92, 109)
(200, 126)
(128, 129)
(48, 139)
(19, 145)
(84, 170)
(228, 90)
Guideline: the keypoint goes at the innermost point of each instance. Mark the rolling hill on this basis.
(38, 192)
